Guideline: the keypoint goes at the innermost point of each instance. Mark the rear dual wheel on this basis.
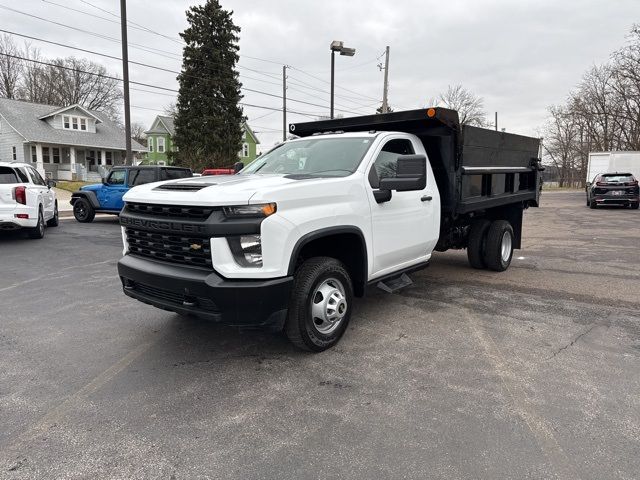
(490, 245)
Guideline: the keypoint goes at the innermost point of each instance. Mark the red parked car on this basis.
(218, 171)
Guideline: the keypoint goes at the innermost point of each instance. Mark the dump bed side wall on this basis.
(496, 168)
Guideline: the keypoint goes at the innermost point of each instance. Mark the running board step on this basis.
(394, 284)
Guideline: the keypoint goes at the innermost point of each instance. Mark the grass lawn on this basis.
(71, 186)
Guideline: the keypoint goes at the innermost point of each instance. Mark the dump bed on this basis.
(475, 168)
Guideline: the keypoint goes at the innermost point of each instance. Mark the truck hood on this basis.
(211, 190)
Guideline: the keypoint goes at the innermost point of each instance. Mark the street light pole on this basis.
(333, 65)
(337, 46)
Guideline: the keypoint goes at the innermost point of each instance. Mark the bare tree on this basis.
(470, 107)
(560, 139)
(10, 67)
(86, 83)
(137, 133)
(170, 109)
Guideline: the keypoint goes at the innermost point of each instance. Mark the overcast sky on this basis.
(520, 56)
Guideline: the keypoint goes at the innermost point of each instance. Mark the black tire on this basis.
(300, 327)
(635, 206)
(53, 222)
(83, 211)
(37, 231)
(592, 204)
(494, 256)
(476, 243)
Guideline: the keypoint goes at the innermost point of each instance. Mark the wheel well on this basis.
(347, 247)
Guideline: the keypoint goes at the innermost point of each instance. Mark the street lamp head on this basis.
(336, 46)
(348, 52)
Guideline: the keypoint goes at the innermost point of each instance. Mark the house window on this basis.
(109, 158)
(74, 123)
(245, 150)
(14, 153)
(45, 155)
(160, 144)
(56, 154)
(150, 146)
(34, 154)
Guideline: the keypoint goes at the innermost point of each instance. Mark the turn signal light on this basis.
(431, 112)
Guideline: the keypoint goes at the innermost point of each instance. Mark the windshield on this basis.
(330, 157)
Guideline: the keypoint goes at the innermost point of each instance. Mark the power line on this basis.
(156, 51)
(309, 114)
(260, 92)
(325, 81)
(159, 51)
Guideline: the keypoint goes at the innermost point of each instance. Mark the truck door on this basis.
(405, 229)
(110, 195)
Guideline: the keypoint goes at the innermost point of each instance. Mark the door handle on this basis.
(426, 198)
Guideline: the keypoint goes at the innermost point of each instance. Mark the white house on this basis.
(63, 143)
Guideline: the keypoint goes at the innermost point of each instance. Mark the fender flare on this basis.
(363, 265)
(89, 196)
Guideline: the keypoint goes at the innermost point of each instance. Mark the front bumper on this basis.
(204, 293)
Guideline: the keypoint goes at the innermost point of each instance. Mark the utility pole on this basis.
(385, 91)
(496, 121)
(284, 103)
(125, 79)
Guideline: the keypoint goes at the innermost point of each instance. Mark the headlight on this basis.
(254, 211)
(247, 250)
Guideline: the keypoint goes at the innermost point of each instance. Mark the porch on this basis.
(62, 162)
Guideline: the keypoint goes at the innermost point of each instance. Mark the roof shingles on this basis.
(24, 117)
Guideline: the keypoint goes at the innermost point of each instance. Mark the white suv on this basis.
(26, 199)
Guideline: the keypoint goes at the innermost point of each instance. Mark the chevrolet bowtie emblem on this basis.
(195, 246)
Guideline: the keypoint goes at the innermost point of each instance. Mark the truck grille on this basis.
(186, 250)
(170, 211)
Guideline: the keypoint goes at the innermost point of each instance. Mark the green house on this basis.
(160, 142)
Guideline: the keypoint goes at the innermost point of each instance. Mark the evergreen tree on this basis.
(208, 119)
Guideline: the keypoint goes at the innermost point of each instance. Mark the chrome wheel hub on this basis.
(328, 306)
(506, 246)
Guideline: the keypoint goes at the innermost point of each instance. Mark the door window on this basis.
(385, 164)
(141, 176)
(116, 177)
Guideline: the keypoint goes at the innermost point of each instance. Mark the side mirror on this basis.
(51, 183)
(237, 167)
(411, 174)
(104, 181)
(588, 184)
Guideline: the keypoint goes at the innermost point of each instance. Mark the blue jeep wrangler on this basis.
(106, 197)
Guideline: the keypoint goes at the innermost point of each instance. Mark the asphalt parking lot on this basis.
(532, 373)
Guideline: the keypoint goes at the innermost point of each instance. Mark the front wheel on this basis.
(499, 246)
(320, 305)
(83, 211)
(634, 206)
